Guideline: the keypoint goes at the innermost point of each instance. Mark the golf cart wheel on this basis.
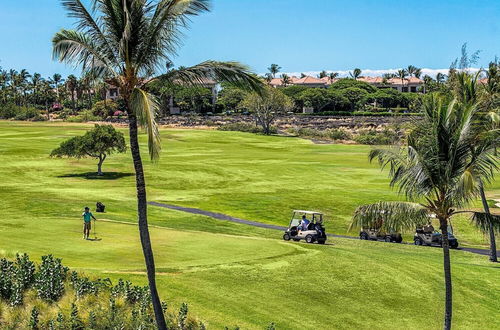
(418, 241)
(399, 240)
(388, 239)
(454, 245)
(296, 239)
(321, 241)
(286, 236)
(363, 236)
(309, 239)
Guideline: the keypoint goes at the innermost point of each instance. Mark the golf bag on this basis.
(99, 207)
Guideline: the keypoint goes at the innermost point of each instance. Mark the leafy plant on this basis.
(49, 280)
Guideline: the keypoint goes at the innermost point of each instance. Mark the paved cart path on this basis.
(224, 217)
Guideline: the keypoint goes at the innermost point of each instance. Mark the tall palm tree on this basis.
(433, 170)
(274, 69)
(401, 74)
(56, 79)
(71, 84)
(128, 41)
(486, 128)
(355, 74)
(322, 74)
(35, 83)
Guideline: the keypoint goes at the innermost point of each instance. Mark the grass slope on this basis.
(232, 274)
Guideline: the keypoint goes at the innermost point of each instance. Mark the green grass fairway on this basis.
(232, 274)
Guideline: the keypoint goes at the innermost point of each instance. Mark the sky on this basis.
(299, 35)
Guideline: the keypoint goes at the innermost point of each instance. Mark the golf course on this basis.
(231, 274)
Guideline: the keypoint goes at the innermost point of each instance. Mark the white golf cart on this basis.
(307, 225)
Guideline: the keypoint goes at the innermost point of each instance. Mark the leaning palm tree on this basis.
(128, 42)
(486, 128)
(355, 74)
(440, 77)
(434, 172)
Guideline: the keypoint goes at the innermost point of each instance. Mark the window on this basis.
(413, 89)
(405, 89)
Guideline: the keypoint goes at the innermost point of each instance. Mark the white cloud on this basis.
(373, 72)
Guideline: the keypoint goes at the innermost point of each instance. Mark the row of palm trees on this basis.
(25, 89)
(449, 157)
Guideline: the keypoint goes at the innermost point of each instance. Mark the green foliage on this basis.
(355, 96)
(328, 134)
(267, 106)
(34, 322)
(11, 111)
(84, 286)
(244, 127)
(84, 116)
(351, 83)
(104, 109)
(230, 97)
(374, 137)
(100, 142)
(49, 280)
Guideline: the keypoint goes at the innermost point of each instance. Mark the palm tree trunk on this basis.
(143, 222)
(493, 245)
(447, 275)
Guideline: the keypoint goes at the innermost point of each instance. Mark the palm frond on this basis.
(233, 73)
(78, 48)
(145, 107)
(390, 216)
(483, 221)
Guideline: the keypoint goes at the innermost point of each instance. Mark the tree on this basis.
(72, 83)
(56, 80)
(99, 143)
(230, 97)
(274, 69)
(127, 42)
(401, 74)
(432, 171)
(413, 71)
(285, 80)
(267, 106)
(440, 77)
(322, 74)
(348, 83)
(355, 74)
(486, 135)
(354, 95)
(316, 98)
(332, 76)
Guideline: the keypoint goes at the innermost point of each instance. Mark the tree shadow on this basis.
(94, 176)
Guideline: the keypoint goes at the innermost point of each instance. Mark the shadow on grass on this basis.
(94, 176)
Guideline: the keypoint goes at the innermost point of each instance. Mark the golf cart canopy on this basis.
(307, 212)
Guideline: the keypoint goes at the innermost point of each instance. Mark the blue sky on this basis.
(300, 35)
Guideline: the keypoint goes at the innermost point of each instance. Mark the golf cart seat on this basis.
(310, 226)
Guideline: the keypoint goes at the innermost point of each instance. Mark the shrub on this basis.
(245, 127)
(84, 116)
(327, 134)
(49, 280)
(8, 111)
(372, 137)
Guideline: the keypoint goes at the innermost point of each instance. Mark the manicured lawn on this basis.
(232, 274)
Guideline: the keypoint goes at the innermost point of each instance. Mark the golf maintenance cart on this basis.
(428, 236)
(311, 230)
(376, 234)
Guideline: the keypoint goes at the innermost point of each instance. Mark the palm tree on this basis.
(355, 74)
(56, 79)
(274, 69)
(71, 84)
(35, 83)
(432, 170)
(332, 76)
(486, 134)
(440, 77)
(128, 41)
(322, 74)
(413, 71)
(401, 74)
(285, 80)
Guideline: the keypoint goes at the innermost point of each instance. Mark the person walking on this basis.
(87, 222)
